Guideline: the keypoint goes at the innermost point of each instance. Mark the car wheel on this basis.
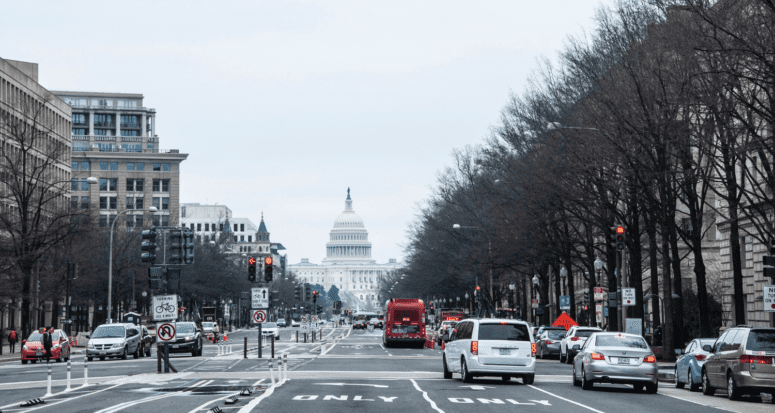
(33, 361)
(528, 378)
(692, 385)
(576, 382)
(706, 388)
(102, 358)
(678, 383)
(569, 358)
(136, 354)
(733, 392)
(89, 358)
(651, 388)
(562, 357)
(123, 355)
(24, 361)
(447, 373)
(585, 384)
(465, 375)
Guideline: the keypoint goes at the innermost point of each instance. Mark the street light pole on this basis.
(110, 262)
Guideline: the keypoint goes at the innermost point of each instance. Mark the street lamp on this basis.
(598, 269)
(110, 259)
(563, 278)
(536, 284)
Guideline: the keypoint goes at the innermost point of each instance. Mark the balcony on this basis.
(101, 138)
(132, 139)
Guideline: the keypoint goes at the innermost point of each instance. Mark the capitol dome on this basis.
(348, 239)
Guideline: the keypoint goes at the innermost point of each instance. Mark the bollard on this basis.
(272, 346)
(48, 383)
(85, 372)
(305, 338)
(271, 371)
(313, 336)
(158, 360)
(297, 336)
(245, 349)
(285, 364)
(68, 375)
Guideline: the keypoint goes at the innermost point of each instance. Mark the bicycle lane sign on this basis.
(165, 307)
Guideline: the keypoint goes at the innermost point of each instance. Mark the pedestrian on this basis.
(215, 336)
(12, 339)
(47, 342)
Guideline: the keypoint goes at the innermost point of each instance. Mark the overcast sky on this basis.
(284, 105)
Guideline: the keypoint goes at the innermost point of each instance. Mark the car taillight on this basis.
(475, 347)
(649, 359)
(533, 349)
(746, 359)
(700, 357)
(596, 356)
(574, 339)
(548, 341)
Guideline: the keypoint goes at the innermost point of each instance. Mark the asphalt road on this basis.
(351, 370)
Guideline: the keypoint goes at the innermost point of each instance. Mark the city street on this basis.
(354, 372)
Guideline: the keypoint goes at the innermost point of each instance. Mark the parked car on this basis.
(295, 323)
(376, 322)
(146, 340)
(32, 348)
(281, 322)
(548, 342)
(544, 328)
(270, 329)
(575, 335)
(446, 327)
(741, 360)
(688, 367)
(114, 340)
(490, 347)
(615, 358)
(188, 339)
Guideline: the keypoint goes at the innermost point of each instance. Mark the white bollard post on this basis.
(68, 375)
(271, 371)
(85, 372)
(285, 365)
(48, 383)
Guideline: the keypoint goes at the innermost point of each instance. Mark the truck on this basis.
(208, 314)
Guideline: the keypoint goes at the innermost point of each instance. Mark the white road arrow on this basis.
(479, 387)
(382, 386)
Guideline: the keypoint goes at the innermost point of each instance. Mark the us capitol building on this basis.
(348, 264)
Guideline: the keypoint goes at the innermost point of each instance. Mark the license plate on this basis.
(623, 360)
(176, 346)
(38, 353)
(504, 352)
(102, 353)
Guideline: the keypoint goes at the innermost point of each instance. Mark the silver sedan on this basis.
(615, 358)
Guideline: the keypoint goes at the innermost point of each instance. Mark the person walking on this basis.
(48, 343)
(12, 339)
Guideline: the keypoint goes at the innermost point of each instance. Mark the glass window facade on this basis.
(103, 166)
(130, 166)
(79, 131)
(140, 166)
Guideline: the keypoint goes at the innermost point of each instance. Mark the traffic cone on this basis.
(442, 345)
(225, 337)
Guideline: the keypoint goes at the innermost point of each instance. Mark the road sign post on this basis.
(260, 297)
(165, 333)
(165, 307)
(628, 297)
(564, 302)
(599, 294)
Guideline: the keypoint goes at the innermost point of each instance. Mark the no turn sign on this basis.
(165, 332)
(259, 316)
(628, 296)
(769, 298)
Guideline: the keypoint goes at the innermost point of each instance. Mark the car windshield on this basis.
(584, 333)
(555, 334)
(707, 341)
(619, 340)
(509, 332)
(761, 340)
(35, 337)
(207, 325)
(184, 328)
(269, 325)
(109, 332)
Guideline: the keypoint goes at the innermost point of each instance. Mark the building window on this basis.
(130, 121)
(157, 202)
(192, 226)
(165, 167)
(79, 131)
(150, 147)
(123, 103)
(74, 202)
(114, 166)
(85, 202)
(236, 227)
(108, 184)
(81, 147)
(103, 166)
(165, 220)
(79, 119)
(135, 185)
(139, 221)
(130, 166)
(104, 120)
(103, 221)
(221, 227)
(235, 238)
(140, 166)
(74, 166)
(250, 238)
(156, 220)
(108, 202)
(132, 147)
(161, 185)
(183, 214)
(242, 228)
(207, 227)
(74, 184)
(157, 167)
(242, 238)
(135, 203)
(85, 166)
(198, 227)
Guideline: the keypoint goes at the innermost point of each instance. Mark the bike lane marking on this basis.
(425, 396)
(204, 405)
(564, 399)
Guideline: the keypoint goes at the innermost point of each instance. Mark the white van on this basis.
(491, 347)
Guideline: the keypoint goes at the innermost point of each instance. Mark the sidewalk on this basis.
(7, 355)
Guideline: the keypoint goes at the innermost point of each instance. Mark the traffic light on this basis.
(176, 247)
(252, 269)
(297, 292)
(586, 308)
(619, 237)
(268, 269)
(155, 281)
(432, 311)
(314, 297)
(318, 309)
(188, 247)
(307, 292)
(769, 262)
(148, 246)
(586, 296)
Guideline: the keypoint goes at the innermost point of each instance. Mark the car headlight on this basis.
(24, 347)
(91, 345)
(56, 345)
(188, 338)
(117, 345)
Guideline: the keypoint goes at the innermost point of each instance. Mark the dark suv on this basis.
(741, 360)
(188, 339)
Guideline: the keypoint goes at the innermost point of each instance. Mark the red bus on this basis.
(404, 322)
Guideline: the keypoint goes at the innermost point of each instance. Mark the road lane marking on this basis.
(354, 384)
(253, 403)
(202, 407)
(563, 398)
(70, 398)
(425, 396)
(125, 405)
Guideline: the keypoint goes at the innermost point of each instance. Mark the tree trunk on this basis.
(678, 313)
(651, 231)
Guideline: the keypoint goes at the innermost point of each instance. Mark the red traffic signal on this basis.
(252, 261)
(268, 261)
(478, 288)
(620, 230)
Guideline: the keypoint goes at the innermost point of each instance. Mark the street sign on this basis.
(539, 311)
(535, 303)
(260, 297)
(628, 297)
(165, 332)
(769, 298)
(305, 327)
(605, 311)
(66, 321)
(599, 294)
(564, 302)
(165, 307)
(304, 319)
(599, 312)
(259, 316)
(314, 319)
